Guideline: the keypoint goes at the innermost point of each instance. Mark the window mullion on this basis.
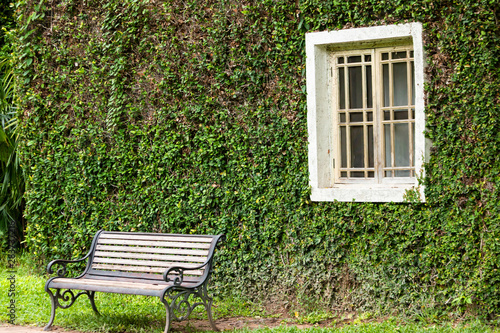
(391, 104)
(348, 126)
(377, 114)
(410, 113)
(365, 127)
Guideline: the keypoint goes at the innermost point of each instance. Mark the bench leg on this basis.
(208, 307)
(92, 302)
(53, 311)
(168, 311)
(207, 302)
(67, 297)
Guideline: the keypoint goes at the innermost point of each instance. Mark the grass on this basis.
(134, 314)
(384, 327)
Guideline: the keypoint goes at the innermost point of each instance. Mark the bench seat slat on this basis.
(107, 283)
(145, 269)
(171, 258)
(154, 243)
(166, 238)
(152, 250)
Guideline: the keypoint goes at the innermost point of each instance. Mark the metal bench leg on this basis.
(92, 302)
(168, 311)
(208, 307)
(207, 302)
(66, 297)
(53, 311)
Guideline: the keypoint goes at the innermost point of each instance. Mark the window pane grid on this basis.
(355, 116)
(397, 114)
(365, 127)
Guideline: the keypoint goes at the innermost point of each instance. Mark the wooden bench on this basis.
(170, 266)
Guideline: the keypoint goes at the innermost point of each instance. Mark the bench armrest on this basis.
(179, 270)
(61, 272)
(178, 279)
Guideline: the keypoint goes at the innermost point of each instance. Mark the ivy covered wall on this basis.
(190, 117)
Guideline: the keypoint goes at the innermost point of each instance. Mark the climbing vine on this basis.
(190, 117)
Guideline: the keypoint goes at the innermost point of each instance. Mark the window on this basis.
(365, 113)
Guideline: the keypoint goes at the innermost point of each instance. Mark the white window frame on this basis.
(320, 98)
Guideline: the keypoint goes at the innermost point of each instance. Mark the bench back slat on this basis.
(141, 269)
(166, 238)
(152, 263)
(142, 249)
(155, 243)
(169, 258)
(116, 254)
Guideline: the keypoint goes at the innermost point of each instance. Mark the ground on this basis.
(188, 326)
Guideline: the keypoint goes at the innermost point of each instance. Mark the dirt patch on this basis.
(7, 328)
(189, 326)
(199, 325)
(226, 324)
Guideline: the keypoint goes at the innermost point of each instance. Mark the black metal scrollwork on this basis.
(178, 279)
(181, 304)
(61, 272)
(67, 296)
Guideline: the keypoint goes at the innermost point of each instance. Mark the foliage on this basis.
(11, 174)
(191, 117)
(119, 312)
(6, 21)
(133, 313)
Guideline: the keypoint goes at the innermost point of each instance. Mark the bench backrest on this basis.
(148, 255)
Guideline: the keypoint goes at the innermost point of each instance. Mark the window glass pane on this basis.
(369, 116)
(370, 147)
(400, 84)
(388, 173)
(401, 145)
(342, 117)
(358, 174)
(399, 55)
(355, 88)
(400, 114)
(387, 115)
(385, 75)
(354, 59)
(357, 147)
(342, 88)
(369, 92)
(356, 117)
(411, 54)
(343, 174)
(368, 58)
(341, 60)
(371, 174)
(387, 144)
(385, 56)
(402, 173)
(343, 147)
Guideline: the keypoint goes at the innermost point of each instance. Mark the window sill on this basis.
(365, 193)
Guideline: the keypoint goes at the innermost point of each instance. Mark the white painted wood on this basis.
(319, 46)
